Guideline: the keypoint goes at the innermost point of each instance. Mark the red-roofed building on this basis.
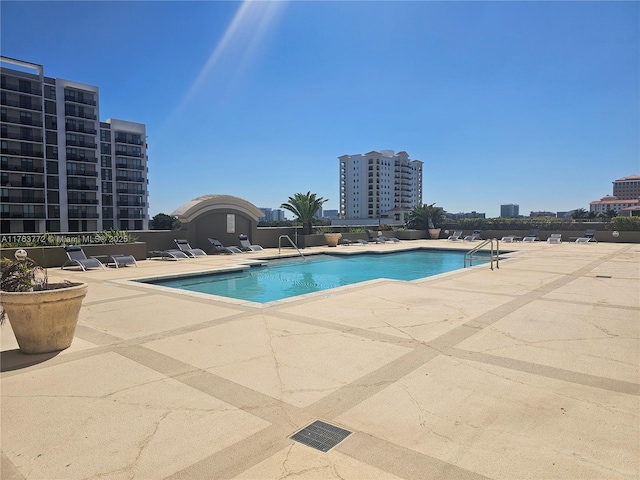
(625, 198)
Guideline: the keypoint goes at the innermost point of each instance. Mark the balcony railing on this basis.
(130, 191)
(25, 138)
(82, 201)
(20, 168)
(130, 141)
(83, 101)
(29, 88)
(74, 173)
(71, 113)
(126, 178)
(78, 158)
(74, 214)
(20, 199)
(22, 105)
(21, 120)
(18, 184)
(22, 215)
(129, 154)
(139, 168)
(71, 186)
(20, 153)
(75, 128)
(131, 204)
(76, 143)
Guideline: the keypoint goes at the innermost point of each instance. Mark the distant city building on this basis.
(625, 198)
(568, 214)
(542, 215)
(330, 214)
(461, 215)
(379, 186)
(609, 202)
(510, 210)
(61, 169)
(627, 188)
(272, 215)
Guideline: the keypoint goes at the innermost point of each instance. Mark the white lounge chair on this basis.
(532, 237)
(474, 236)
(508, 238)
(555, 238)
(456, 235)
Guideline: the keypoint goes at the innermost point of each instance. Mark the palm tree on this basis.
(423, 217)
(304, 206)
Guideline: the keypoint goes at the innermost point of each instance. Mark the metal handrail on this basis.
(495, 253)
(291, 242)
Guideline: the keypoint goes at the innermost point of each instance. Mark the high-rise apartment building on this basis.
(510, 210)
(62, 170)
(625, 198)
(379, 185)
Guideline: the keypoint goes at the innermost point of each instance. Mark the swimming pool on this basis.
(284, 278)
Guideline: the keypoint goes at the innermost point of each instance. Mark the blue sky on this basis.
(534, 103)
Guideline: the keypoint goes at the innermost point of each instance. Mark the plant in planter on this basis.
(43, 315)
(427, 217)
(304, 206)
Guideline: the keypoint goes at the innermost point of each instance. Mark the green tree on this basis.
(162, 221)
(304, 206)
(579, 213)
(422, 217)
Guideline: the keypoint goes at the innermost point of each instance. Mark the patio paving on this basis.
(529, 371)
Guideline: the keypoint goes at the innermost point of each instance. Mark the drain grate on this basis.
(321, 436)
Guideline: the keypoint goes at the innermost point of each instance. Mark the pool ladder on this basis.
(291, 242)
(495, 253)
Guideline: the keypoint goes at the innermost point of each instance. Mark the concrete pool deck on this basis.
(529, 371)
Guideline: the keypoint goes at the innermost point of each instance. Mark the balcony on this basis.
(22, 105)
(131, 204)
(20, 168)
(82, 201)
(21, 199)
(129, 141)
(78, 158)
(76, 143)
(21, 153)
(75, 128)
(75, 173)
(72, 186)
(131, 191)
(20, 184)
(129, 154)
(132, 216)
(81, 100)
(127, 178)
(30, 88)
(75, 214)
(38, 214)
(24, 138)
(21, 120)
(123, 165)
(73, 113)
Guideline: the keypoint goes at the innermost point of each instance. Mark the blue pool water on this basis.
(286, 278)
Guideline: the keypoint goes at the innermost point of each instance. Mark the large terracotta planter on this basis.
(434, 233)
(44, 321)
(332, 239)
